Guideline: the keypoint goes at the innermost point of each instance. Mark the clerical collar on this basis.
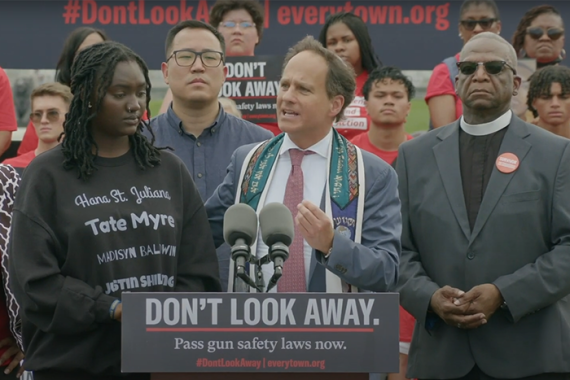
(486, 128)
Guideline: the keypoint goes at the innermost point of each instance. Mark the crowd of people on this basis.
(469, 221)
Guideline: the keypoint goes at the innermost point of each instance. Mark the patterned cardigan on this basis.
(9, 182)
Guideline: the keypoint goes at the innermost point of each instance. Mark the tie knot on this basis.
(297, 156)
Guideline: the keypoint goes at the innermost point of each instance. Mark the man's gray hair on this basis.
(511, 57)
(340, 76)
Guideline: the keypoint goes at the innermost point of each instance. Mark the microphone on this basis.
(240, 232)
(277, 231)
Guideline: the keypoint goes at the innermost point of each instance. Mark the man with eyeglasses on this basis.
(241, 23)
(486, 241)
(50, 103)
(196, 126)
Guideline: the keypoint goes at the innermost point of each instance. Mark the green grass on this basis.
(155, 107)
(417, 121)
(419, 116)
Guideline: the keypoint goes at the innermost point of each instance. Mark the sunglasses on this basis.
(52, 116)
(492, 67)
(485, 23)
(552, 33)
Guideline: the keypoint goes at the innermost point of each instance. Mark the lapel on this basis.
(513, 142)
(447, 159)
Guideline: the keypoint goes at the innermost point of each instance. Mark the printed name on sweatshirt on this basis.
(155, 221)
(117, 196)
(144, 281)
(133, 253)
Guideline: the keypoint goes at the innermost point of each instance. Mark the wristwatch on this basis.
(326, 256)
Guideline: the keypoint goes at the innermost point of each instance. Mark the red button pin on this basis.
(507, 163)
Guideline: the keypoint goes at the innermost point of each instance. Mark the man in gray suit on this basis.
(350, 242)
(485, 264)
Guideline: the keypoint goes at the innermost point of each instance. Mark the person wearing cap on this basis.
(486, 241)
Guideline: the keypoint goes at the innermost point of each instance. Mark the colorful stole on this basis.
(345, 186)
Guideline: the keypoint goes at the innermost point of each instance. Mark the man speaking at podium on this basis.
(344, 201)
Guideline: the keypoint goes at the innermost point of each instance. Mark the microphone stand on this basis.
(259, 280)
(241, 254)
(278, 253)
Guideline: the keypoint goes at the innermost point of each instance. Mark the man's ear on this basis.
(336, 105)
(164, 68)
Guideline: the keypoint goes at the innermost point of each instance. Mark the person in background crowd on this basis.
(486, 241)
(475, 16)
(361, 248)
(8, 123)
(10, 333)
(64, 280)
(346, 35)
(549, 99)
(540, 35)
(230, 106)
(241, 24)
(196, 126)
(78, 40)
(50, 103)
(388, 93)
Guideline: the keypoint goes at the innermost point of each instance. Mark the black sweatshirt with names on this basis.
(77, 245)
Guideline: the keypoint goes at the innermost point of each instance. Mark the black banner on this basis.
(413, 35)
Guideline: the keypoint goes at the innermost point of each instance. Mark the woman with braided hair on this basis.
(103, 213)
(540, 35)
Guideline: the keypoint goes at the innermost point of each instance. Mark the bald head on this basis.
(491, 41)
(486, 91)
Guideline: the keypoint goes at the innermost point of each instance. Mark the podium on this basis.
(253, 336)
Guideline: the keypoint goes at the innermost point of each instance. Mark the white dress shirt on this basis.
(315, 176)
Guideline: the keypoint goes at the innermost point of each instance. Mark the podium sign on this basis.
(260, 332)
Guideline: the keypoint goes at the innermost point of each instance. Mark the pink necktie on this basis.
(293, 279)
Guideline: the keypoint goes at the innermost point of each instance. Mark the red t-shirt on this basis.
(356, 119)
(440, 84)
(362, 141)
(21, 161)
(30, 139)
(271, 127)
(7, 110)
